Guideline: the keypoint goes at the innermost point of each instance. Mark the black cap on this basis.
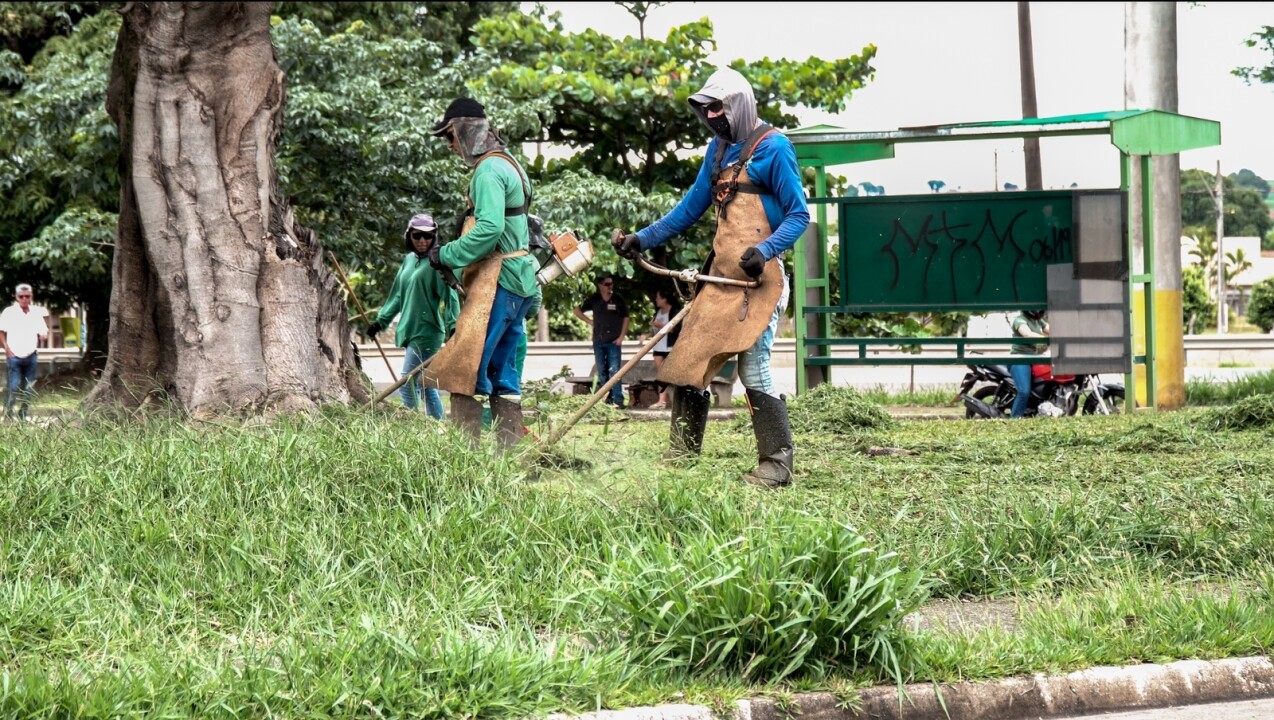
(459, 108)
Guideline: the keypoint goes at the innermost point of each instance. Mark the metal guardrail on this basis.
(55, 358)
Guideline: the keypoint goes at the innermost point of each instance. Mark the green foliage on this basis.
(355, 158)
(621, 103)
(74, 248)
(1263, 39)
(61, 185)
(365, 81)
(592, 206)
(446, 24)
(1245, 212)
(1197, 308)
(795, 596)
(25, 27)
(1247, 179)
(1260, 306)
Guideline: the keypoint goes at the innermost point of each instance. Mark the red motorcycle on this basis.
(988, 392)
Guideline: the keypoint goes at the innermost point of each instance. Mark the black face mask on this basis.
(719, 125)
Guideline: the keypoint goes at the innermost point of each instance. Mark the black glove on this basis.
(373, 328)
(435, 257)
(627, 245)
(752, 262)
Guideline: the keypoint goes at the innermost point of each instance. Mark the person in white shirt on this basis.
(22, 326)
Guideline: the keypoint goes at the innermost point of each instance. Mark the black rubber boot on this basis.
(466, 413)
(773, 441)
(689, 418)
(507, 414)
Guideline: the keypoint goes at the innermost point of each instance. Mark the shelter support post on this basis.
(812, 289)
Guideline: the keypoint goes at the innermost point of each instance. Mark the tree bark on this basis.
(220, 304)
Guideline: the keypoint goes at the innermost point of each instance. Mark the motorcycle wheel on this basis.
(986, 394)
(1114, 400)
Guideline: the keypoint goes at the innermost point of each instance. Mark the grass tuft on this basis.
(795, 596)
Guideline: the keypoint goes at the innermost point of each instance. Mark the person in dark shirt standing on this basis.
(610, 325)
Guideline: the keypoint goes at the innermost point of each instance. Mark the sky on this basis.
(939, 63)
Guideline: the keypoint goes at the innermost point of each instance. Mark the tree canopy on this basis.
(364, 83)
(1246, 214)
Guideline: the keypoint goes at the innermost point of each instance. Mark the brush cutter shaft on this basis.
(601, 392)
(402, 381)
(341, 274)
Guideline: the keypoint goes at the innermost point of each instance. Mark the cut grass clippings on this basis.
(1251, 413)
(837, 409)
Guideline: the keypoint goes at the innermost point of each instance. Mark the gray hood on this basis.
(735, 93)
(476, 138)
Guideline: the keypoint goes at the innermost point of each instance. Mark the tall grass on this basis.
(375, 564)
(1204, 391)
(794, 595)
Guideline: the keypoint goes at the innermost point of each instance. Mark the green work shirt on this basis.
(429, 308)
(1024, 347)
(496, 185)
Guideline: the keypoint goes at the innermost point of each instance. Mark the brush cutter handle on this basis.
(691, 276)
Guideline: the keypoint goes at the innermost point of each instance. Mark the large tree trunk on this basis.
(220, 303)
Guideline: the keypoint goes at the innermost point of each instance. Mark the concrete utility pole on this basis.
(1026, 61)
(1150, 83)
(1222, 314)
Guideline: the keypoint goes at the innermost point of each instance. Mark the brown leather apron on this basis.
(455, 367)
(725, 320)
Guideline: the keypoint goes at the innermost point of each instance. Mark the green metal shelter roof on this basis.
(1134, 132)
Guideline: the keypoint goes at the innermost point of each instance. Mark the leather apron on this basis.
(725, 320)
(455, 367)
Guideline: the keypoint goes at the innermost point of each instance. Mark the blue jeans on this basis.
(1022, 381)
(606, 355)
(754, 363)
(497, 373)
(412, 390)
(21, 381)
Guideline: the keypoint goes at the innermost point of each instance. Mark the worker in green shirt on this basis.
(499, 278)
(428, 308)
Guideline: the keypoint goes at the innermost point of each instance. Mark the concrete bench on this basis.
(643, 390)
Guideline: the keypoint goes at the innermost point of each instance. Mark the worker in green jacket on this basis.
(428, 308)
(499, 277)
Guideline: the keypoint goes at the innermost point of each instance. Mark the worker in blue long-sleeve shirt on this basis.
(751, 178)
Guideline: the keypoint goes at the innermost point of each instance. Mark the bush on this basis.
(1197, 308)
(1260, 307)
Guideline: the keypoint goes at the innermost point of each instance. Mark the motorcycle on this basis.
(988, 392)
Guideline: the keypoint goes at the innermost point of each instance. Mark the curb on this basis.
(1085, 692)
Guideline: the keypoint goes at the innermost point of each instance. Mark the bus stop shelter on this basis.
(892, 256)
